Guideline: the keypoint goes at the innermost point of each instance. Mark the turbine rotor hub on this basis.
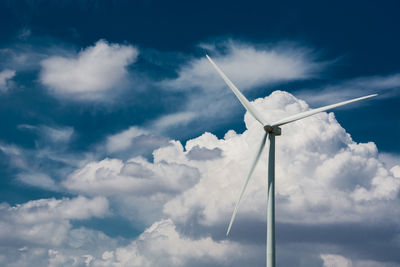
(273, 130)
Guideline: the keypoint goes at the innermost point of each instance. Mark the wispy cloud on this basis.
(385, 86)
(173, 120)
(50, 134)
(39, 180)
(248, 66)
(46, 163)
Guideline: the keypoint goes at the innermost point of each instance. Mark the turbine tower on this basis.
(271, 130)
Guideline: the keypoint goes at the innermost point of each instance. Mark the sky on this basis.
(121, 146)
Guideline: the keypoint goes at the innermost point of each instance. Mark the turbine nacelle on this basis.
(275, 130)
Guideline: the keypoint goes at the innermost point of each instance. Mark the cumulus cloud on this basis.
(322, 174)
(136, 176)
(162, 245)
(79, 248)
(389, 159)
(5, 77)
(46, 221)
(92, 73)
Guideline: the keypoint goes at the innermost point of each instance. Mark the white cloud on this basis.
(162, 245)
(40, 180)
(331, 260)
(335, 260)
(132, 142)
(5, 76)
(248, 66)
(46, 221)
(136, 176)
(173, 120)
(89, 75)
(79, 248)
(124, 139)
(389, 159)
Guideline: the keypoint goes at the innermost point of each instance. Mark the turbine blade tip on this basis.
(373, 95)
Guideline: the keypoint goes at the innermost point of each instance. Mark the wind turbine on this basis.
(271, 130)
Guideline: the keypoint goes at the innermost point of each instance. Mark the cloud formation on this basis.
(137, 176)
(322, 174)
(317, 164)
(46, 221)
(323, 178)
(162, 245)
(187, 194)
(5, 76)
(89, 75)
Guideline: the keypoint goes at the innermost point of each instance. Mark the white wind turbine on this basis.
(271, 130)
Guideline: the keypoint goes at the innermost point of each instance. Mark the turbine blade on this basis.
(247, 181)
(317, 110)
(238, 94)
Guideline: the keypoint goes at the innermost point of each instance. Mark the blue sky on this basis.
(120, 145)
